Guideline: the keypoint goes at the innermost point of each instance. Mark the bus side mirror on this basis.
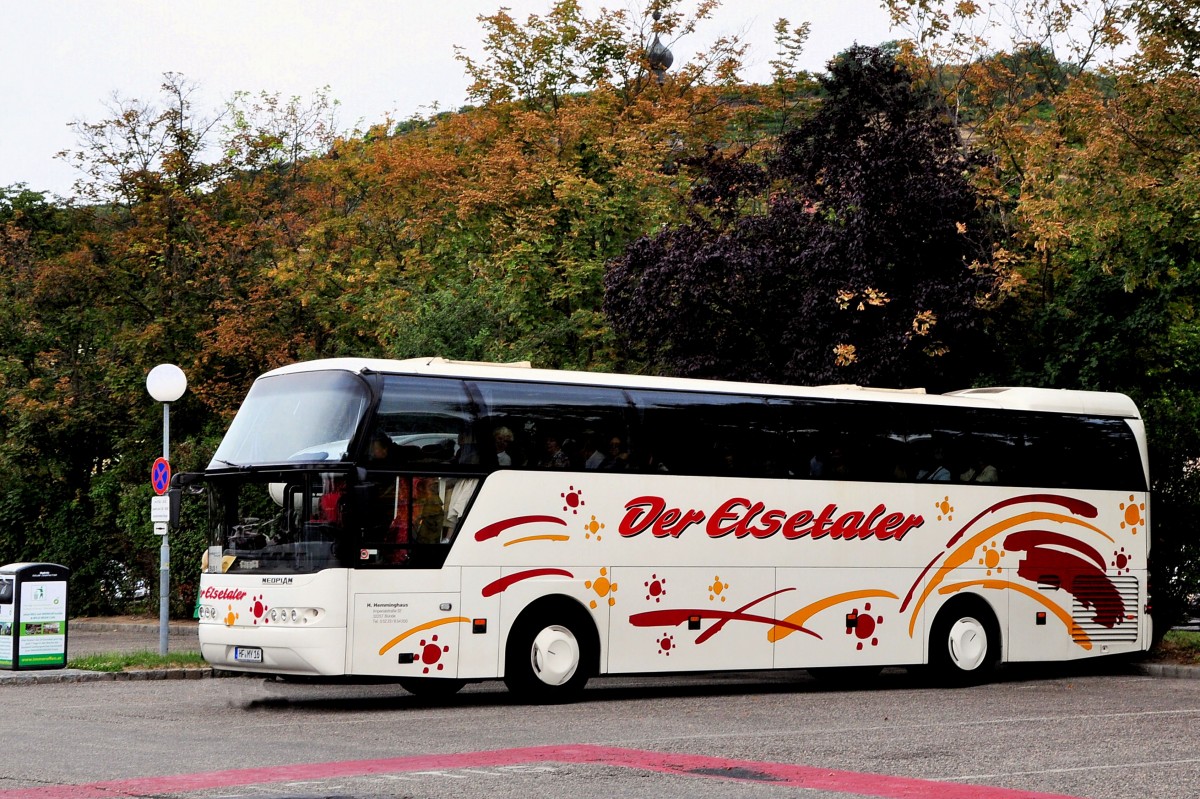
(174, 494)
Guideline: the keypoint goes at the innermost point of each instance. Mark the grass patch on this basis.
(1180, 646)
(137, 661)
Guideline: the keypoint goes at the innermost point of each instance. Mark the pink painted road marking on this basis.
(781, 774)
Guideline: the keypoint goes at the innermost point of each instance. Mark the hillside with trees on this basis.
(937, 211)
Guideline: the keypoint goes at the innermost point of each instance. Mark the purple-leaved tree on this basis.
(869, 264)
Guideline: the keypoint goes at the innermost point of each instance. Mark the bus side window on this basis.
(536, 413)
(401, 513)
(384, 518)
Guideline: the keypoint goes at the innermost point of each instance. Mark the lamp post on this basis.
(166, 383)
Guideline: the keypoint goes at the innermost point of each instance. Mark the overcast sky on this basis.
(62, 60)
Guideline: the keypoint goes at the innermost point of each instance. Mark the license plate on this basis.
(247, 654)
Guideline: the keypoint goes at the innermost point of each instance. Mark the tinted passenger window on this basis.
(425, 421)
(826, 440)
(1086, 452)
(708, 434)
(547, 426)
(966, 445)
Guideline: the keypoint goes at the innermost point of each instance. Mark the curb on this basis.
(1169, 670)
(79, 675)
(173, 628)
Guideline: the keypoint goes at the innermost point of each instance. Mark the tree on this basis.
(1095, 174)
(171, 261)
(52, 394)
(868, 266)
(509, 210)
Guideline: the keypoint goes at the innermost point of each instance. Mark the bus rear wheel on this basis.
(549, 660)
(964, 644)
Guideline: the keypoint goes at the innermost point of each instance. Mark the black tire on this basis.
(431, 687)
(550, 655)
(964, 644)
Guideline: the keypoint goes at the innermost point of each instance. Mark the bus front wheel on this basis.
(964, 644)
(548, 659)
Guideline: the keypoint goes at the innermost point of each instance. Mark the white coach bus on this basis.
(440, 522)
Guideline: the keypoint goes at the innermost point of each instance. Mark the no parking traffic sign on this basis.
(160, 476)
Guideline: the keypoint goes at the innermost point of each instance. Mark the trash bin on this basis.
(33, 616)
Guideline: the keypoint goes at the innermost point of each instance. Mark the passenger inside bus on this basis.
(553, 456)
(647, 460)
(503, 439)
(458, 491)
(982, 471)
(331, 507)
(384, 454)
(590, 455)
(617, 457)
(419, 511)
(937, 470)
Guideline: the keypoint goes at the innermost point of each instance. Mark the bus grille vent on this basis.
(1105, 608)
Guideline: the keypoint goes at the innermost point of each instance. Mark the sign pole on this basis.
(164, 553)
(166, 383)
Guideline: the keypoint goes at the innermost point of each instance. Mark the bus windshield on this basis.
(295, 418)
(277, 522)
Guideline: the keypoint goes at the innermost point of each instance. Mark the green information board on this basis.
(33, 616)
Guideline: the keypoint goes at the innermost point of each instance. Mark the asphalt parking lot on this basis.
(1093, 730)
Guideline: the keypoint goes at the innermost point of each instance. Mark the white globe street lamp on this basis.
(166, 383)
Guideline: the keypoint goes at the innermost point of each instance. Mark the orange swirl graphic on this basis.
(1077, 632)
(537, 538)
(808, 611)
(419, 628)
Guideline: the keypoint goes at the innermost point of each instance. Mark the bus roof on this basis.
(1097, 403)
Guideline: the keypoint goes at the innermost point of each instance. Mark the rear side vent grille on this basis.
(1105, 608)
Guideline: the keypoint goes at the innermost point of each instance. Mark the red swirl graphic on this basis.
(1026, 540)
(1076, 576)
(495, 587)
(1076, 506)
(496, 528)
(673, 618)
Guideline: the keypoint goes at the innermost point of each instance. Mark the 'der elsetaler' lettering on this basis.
(743, 518)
